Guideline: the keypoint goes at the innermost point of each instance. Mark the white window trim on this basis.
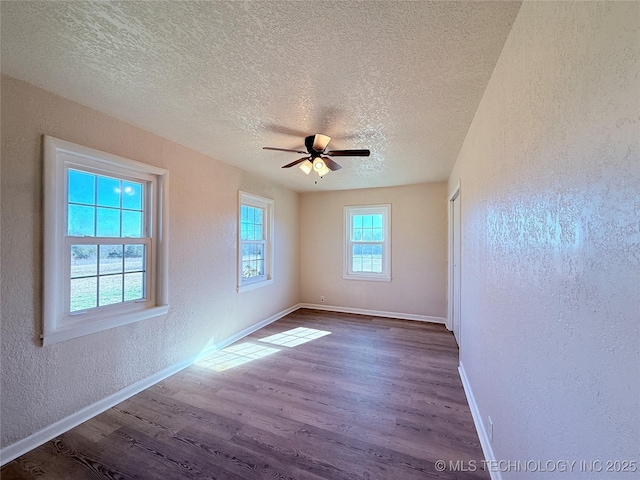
(349, 212)
(245, 198)
(58, 325)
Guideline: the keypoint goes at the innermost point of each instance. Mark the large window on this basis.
(255, 246)
(367, 243)
(105, 241)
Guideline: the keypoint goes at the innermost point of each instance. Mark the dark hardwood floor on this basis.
(376, 398)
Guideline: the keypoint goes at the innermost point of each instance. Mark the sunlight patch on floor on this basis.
(235, 355)
(294, 337)
(246, 352)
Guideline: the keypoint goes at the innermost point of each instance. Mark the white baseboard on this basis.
(485, 442)
(58, 428)
(23, 446)
(374, 313)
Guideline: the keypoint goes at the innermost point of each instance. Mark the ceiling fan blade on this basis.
(333, 166)
(284, 130)
(293, 164)
(349, 153)
(284, 150)
(320, 142)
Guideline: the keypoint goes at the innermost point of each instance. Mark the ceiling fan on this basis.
(317, 155)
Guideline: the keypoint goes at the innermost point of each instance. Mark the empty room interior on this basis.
(320, 240)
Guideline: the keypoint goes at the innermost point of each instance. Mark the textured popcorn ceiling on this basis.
(403, 79)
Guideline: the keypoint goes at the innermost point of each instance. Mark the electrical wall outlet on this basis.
(322, 298)
(490, 430)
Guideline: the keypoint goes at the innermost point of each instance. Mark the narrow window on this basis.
(367, 243)
(105, 262)
(255, 246)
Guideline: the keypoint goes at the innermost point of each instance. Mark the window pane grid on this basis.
(367, 228)
(103, 206)
(251, 223)
(367, 242)
(252, 242)
(253, 259)
(367, 257)
(255, 241)
(106, 274)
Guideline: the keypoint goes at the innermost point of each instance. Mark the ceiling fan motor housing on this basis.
(316, 144)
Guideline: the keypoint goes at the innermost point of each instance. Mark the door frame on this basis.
(455, 194)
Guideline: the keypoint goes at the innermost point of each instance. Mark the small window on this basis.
(105, 262)
(367, 243)
(255, 246)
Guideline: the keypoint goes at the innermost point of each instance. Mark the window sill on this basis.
(80, 329)
(254, 285)
(368, 278)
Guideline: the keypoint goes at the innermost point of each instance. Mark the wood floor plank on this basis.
(262, 456)
(376, 398)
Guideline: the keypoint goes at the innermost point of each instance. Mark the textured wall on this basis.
(42, 385)
(418, 250)
(550, 175)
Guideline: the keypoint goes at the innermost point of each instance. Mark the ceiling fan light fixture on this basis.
(320, 167)
(306, 166)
